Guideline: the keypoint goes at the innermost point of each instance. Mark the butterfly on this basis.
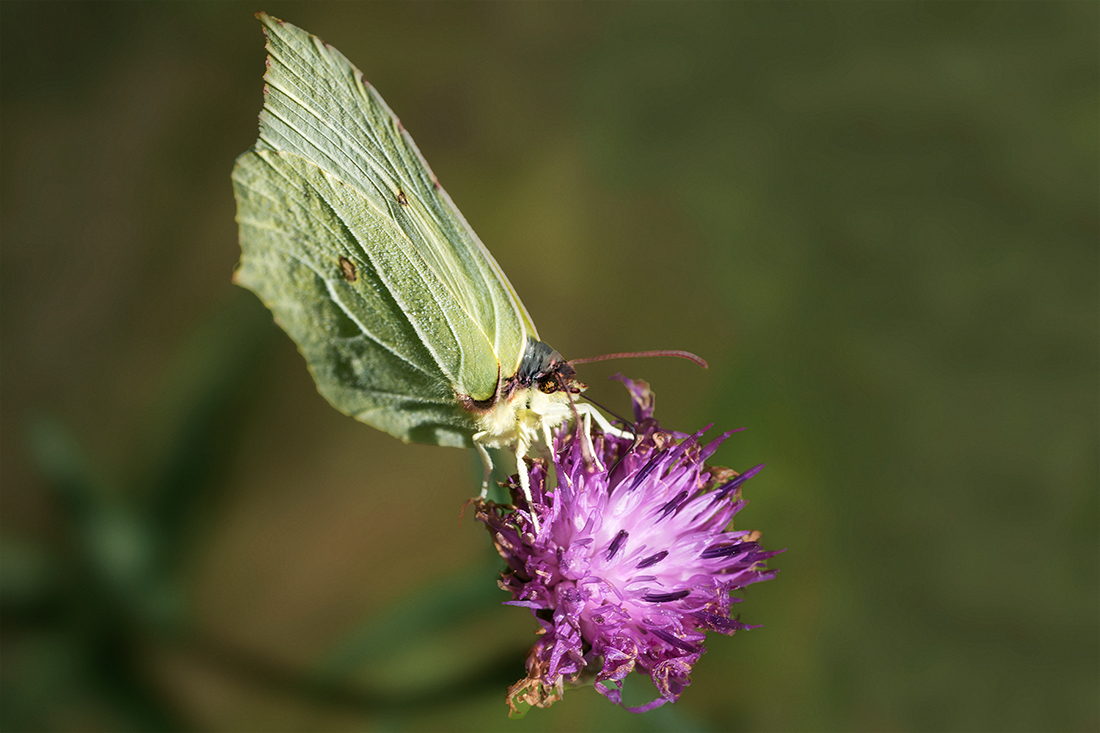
(405, 320)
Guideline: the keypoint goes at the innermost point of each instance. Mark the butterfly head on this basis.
(543, 368)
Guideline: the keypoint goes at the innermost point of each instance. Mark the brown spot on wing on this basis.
(347, 269)
(402, 198)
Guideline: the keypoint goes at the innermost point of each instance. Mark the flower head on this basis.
(631, 559)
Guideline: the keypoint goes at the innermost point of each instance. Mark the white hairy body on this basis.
(527, 420)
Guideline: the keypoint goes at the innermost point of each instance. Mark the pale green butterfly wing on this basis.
(355, 339)
(346, 235)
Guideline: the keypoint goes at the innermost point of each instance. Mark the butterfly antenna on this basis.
(636, 354)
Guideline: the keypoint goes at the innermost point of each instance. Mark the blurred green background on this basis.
(878, 222)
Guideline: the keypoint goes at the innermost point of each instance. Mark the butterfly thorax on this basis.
(537, 398)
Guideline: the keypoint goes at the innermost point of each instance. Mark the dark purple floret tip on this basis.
(666, 597)
(616, 543)
(652, 559)
(670, 507)
(727, 551)
(739, 480)
(676, 642)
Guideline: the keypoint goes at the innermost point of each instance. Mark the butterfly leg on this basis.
(589, 410)
(521, 467)
(547, 441)
(487, 461)
(590, 447)
(525, 484)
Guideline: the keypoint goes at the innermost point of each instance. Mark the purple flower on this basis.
(632, 560)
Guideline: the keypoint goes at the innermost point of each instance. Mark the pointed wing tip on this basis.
(273, 25)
